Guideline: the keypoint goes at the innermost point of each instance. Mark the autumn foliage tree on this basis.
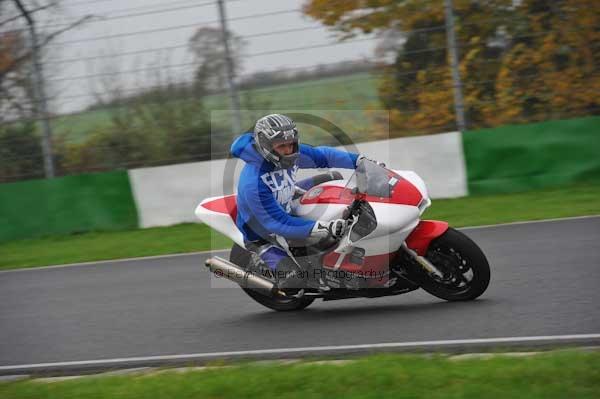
(551, 69)
(15, 84)
(20, 149)
(520, 61)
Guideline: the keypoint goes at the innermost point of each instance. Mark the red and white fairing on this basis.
(220, 214)
(398, 221)
(396, 217)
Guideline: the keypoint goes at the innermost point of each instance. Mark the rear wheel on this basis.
(465, 269)
(242, 258)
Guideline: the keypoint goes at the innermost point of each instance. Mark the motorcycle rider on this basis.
(266, 189)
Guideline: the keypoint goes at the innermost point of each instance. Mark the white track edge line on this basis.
(144, 258)
(313, 349)
(487, 226)
(100, 262)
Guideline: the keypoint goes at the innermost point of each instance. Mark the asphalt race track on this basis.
(545, 281)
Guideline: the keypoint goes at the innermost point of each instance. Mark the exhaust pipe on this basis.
(224, 268)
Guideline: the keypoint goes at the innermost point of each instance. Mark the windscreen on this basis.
(373, 179)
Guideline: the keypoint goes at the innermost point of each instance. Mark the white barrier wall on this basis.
(167, 195)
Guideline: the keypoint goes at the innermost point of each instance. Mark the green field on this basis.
(351, 92)
(548, 376)
(469, 211)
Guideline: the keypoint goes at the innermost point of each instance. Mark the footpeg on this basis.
(323, 287)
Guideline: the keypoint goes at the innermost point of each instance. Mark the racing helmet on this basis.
(275, 129)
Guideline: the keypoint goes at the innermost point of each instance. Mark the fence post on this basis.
(459, 107)
(234, 99)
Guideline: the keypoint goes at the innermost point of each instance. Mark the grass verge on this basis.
(575, 200)
(550, 375)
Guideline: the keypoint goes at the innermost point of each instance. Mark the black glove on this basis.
(335, 228)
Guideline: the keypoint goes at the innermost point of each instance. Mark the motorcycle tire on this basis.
(466, 269)
(241, 257)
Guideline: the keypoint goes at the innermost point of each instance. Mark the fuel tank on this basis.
(397, 215)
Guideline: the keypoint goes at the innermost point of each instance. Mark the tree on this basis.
(206, 44)
(15, 85)
(17, 100)
(519, 61)
(551, 70)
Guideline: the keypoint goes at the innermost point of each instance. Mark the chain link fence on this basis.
(518, 62)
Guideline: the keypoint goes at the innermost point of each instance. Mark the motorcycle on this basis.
(386, 250)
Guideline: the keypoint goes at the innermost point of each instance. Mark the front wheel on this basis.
(241, 257)
(465, 269)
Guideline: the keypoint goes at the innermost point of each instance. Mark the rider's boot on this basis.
(291, 279)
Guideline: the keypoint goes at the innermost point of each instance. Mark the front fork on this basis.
(423, 262)
(418, 241)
